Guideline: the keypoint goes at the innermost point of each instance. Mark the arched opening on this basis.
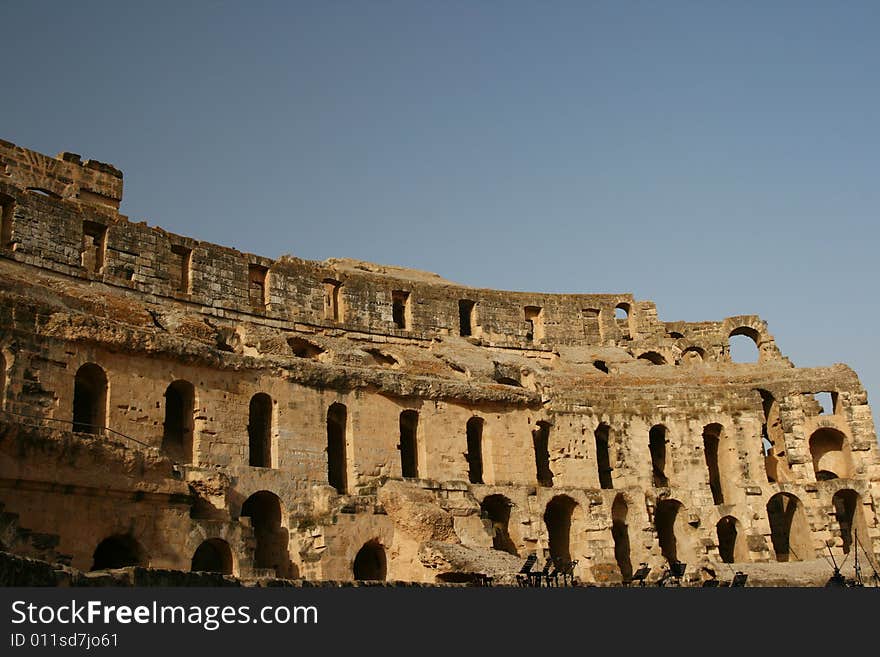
(657, 447)
(409, 455)
(89, 399)
(692, 356)
(497, 509)
(621, 318)
(711, 440)
(260, 431)
(743, 345)
(475, 450)
(729, 543)
(466, 317)
(773, 441)
(271, 549)
(119, 551)
(541, 444)
(669, 524)
(830, 454)
(557, 518)
(603, 457)
(370, 562)
(213, 556)
(332, 300)
(789, 529)
(7, 211)
(177, 436)
(848, 513)
(653, 357)
(337, 471)
(620, 534)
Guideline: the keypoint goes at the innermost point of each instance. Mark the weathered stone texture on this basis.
(316, 419)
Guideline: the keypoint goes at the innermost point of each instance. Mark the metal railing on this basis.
(75, 427)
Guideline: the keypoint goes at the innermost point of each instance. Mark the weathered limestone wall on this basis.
(83, 290)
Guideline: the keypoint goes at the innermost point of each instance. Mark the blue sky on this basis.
(718, 158)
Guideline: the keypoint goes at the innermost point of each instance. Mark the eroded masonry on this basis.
(181, 405)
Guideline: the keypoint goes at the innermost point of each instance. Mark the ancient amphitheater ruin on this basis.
(178, 405)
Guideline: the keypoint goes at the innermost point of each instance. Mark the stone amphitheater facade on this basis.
(181, 405)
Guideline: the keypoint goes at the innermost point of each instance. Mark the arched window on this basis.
(789, 529)
(848, 514)
(118, 551)
(337, 467)
(497, 509)
(621, 318)
(657, 447)
(603, 457)
(743, 343)
(670, 522)
(260, 431)
(370, 562)
(90, 399)
(213, 556)
(541, 444)
(409, 449)
(475, 450)
(177, 436)
(466, 317)
(271, 549)
(830, 454)
(731, 547)
(620, 534)
(557, 518)
(7, 210)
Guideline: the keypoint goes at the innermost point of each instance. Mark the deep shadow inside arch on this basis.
(497, 509)
(118, 551)
(370, 562)
(272, 539)
(213, 556)
(620, 534)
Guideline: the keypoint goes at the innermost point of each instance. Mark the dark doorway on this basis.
(177, 436)
(271, 549)
(475, 450)
(89, 399)
(118, 551)
(213, 556)
(465, 317)
(727, 538)
(665, 516)
(657, 446)
(620, 534)
(260, 430)
(789, 529)
(541, 443)
(603, 457)
(497, 509)
(557, 518)
(409, 455)
(370, 562)
(847, 512)
(711, 440)
(337, 475)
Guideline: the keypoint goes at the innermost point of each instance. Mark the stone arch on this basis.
(603, 456)
(731, 543)
(670, 523)
(474, 431)
(830, 452)
(653, 357)
(271, 536)
(260, 431)
(620, 534)
(497, 509)
(750, 351)
(90, 399)
(721, 462)
(213, 556)
(773, 440)
(558, 517)
(409, 446)
(693, 356)
(337, 459)
(847, 505)
(177, 434)
(789, 528)
(118, 551)
(657, 447)
(370, 563)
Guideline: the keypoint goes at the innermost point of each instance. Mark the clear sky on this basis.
(719, 158)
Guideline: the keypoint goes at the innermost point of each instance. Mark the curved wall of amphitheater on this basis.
(177, 404)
